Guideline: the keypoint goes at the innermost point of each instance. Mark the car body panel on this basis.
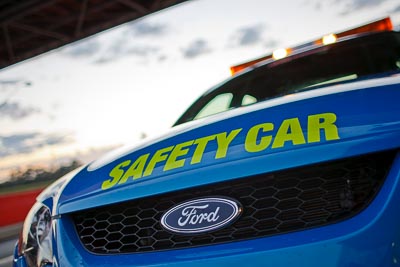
(372, 238)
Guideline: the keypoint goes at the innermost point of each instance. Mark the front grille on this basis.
(273, 203)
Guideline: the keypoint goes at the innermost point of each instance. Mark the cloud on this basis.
(196, 48)
(16, 111)
(124, 43)
(361, 4)
(30, 142)
(318, 6)
(121, 49)
(4, 84)
(162, 58)
(85, 48)
(350, 6)
(396, 9)
(271, 43)
(142, 51)
(346, 6)
(248, 35)
(142, 29)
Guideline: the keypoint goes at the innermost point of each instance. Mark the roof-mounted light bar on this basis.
(376, 26)
(329, 39)
(280, 53)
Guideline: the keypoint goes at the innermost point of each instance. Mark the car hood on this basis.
(294, 130)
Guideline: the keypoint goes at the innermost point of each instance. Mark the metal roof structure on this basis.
(31, 27)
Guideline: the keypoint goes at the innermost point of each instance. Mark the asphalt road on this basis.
(8, 238)
(6, 251)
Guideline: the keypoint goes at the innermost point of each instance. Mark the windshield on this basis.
(358, 58)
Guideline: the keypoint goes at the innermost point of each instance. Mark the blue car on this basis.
(294, 161)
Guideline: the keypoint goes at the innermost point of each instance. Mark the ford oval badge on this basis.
(201, 215)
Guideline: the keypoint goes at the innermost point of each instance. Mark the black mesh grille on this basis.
(273, 203)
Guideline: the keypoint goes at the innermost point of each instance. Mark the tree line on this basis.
(34, 175)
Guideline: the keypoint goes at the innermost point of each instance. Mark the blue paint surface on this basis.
(368, 121)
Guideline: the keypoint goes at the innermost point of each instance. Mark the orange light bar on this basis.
(376, 26)
(240, 67)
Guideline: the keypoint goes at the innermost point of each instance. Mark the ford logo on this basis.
(201, 215)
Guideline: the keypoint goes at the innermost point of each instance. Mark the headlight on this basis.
(35, 242)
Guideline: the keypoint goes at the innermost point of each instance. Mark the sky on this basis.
(135, 80)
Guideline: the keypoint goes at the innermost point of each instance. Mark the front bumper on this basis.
(372, 238)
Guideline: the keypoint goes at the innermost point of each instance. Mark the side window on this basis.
(248, 99)
(218, 104)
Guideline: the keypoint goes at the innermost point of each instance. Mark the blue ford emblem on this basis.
(201, 215)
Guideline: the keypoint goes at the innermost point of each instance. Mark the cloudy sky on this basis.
(111, 89)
